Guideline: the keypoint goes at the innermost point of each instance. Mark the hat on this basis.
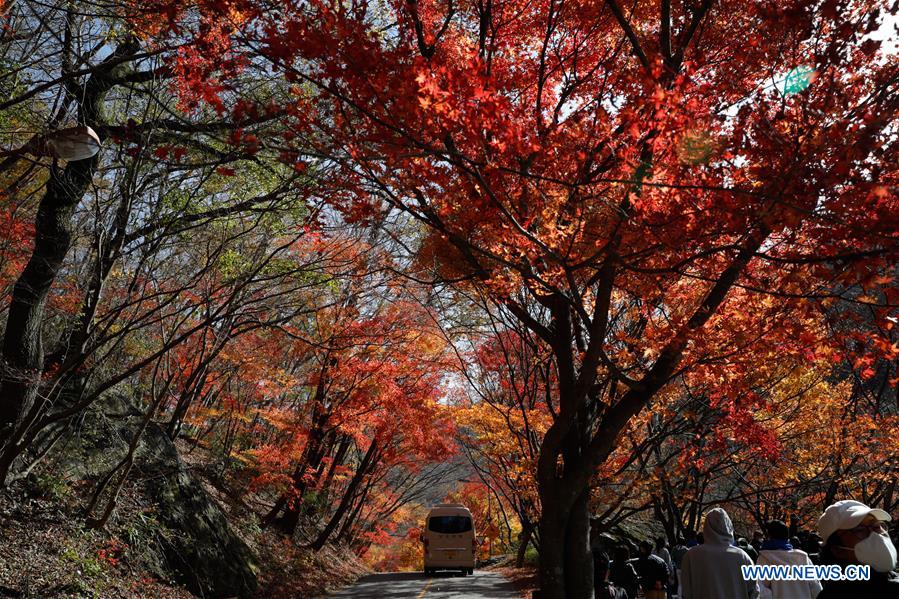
(847, 514)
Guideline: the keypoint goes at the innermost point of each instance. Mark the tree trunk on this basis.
(72, 349)
(566, 564)
(22, 355)
(551, 568)
(578, 558)
(353, 517)
(527, 530)
(367, 464)
(23, 352)
(290, 501)
(336, 462)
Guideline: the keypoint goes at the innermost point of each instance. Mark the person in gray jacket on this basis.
(712, 570)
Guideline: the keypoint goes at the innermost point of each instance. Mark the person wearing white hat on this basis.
(854, 533)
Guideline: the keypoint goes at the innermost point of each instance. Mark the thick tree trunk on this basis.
(578, 559)
(293, 509)
(553, 524)
(566, 564)
(23, 352)
(290, 501)
(72, 349)
(290, 519)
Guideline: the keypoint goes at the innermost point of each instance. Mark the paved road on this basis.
(415, 585)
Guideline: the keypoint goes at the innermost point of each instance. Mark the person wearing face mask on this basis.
(854, 533)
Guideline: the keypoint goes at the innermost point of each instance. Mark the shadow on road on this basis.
(399, 576)
(446, 585)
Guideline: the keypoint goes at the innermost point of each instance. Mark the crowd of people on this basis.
(708, 565)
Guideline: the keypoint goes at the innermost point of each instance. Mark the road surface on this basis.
(415, 585)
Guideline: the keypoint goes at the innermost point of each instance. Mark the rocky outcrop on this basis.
(198, 547)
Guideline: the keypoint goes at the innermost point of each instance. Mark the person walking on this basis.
(712, 570)
(653, 573)
(677, 557)
(758, 537)
(661, 551)
(677, 553)
(622, 573)
(691, 539)
(603, 588)
(854, 533)
(776, 550)
(749, 549)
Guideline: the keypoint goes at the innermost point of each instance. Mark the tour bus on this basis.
(449, 539)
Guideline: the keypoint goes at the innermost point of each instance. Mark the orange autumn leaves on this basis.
(782, 441)
(551, 154)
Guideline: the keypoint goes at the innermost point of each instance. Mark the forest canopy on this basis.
(562, 261)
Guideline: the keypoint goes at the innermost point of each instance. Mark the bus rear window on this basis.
(449, 525)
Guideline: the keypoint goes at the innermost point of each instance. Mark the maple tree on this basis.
(661, 194)
(372, 387)
(693, 452)
(93, 268)
(648, 215)
(502, 425)
(196, 278)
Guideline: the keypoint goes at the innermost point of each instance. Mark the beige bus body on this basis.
(449, 539)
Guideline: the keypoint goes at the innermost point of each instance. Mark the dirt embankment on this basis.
(178, 530)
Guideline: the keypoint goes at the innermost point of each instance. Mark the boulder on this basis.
(198, 546)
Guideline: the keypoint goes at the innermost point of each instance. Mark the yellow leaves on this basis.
(235, 15)
(492, 421)
(282, 419)
(697, 147)
(769, 301)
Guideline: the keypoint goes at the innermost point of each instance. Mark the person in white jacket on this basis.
(777, 550)
(712, 570)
